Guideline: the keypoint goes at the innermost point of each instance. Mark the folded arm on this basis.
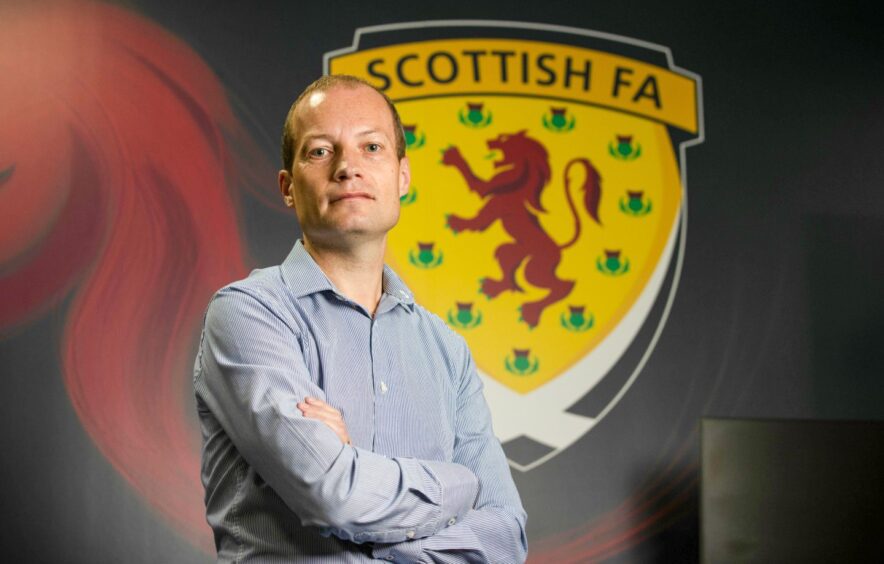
(252, 376)
(494, 531)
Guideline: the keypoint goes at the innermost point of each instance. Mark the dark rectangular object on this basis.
(792, 491)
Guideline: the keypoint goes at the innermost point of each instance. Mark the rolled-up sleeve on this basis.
(251, 375)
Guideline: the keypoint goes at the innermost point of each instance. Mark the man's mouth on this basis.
(352, 196)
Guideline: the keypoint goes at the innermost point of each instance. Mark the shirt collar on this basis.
(394, 287)
(304, 277)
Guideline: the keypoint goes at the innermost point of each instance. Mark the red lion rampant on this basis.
(512, 195)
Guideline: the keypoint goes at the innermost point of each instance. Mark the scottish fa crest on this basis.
(546, 222)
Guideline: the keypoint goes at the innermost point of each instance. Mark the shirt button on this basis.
(452, 521)
(384, 388)
(410, 534)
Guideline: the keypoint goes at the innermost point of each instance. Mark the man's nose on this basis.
(345, 165)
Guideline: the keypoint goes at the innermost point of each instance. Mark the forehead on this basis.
(340, 108)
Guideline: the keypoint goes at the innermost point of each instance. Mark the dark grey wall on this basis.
(779, 313)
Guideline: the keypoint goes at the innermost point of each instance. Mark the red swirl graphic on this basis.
(115, 177)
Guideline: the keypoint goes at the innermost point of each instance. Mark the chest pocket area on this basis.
(416, 408)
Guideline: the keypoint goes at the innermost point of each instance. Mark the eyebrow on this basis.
(363, 133)
(366, 132)
(308, 138)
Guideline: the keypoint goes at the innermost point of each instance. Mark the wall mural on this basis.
(547, 223)
(504, 136)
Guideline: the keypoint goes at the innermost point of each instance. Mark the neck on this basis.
(356, 271)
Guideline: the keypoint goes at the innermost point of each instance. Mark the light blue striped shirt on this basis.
(425, 480)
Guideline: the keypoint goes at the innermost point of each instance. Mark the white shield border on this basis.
(542, 414)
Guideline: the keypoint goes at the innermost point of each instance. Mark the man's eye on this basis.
(319, 152)
(372, 147)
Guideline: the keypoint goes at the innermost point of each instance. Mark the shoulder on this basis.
(434, 325)
(262, 294)
(437, 334)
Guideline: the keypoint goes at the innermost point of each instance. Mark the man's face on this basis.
(346, 179)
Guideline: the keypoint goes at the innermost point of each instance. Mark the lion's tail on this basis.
(592, 195)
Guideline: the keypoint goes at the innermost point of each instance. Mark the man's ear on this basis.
(286, 188)
(404, 176)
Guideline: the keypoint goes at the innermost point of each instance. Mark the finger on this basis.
(316, 410)
(314, 413)
(334, 423)
(316, 402)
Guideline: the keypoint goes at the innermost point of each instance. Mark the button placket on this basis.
(374, 377)
(382, 386)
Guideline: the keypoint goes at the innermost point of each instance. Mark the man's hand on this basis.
(314, 408)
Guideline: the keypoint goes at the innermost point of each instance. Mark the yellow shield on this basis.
(546, 190)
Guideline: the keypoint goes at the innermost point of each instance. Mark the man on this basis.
(341, 421)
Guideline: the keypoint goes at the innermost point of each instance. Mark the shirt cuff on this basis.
(400, 552)
(446, 491)
(459, 488)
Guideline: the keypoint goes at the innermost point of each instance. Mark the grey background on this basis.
(779, 313)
